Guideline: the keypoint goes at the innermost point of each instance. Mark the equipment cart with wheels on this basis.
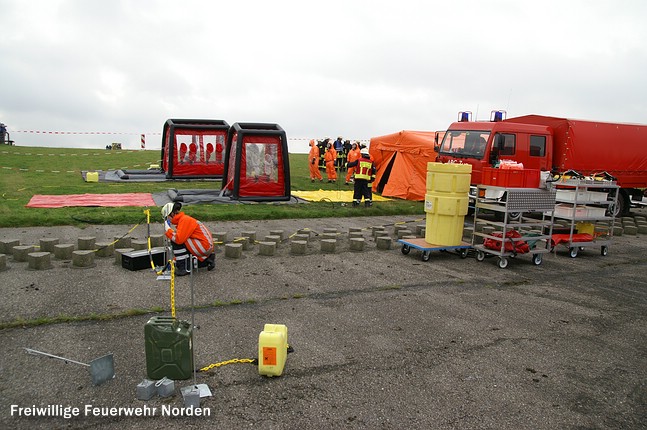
(426, 248)
(528, 230)
(588, 206)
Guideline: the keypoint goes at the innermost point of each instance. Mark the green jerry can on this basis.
(169, 348)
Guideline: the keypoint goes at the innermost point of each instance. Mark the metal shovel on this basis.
(102, 369)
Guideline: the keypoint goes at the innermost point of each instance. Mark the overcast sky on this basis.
(317, 68)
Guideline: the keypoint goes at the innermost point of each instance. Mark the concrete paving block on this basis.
(302, 236)
(250, 234)
(384, 242)
(83, 258)
(220, 237)
(617, 231)
(21, 252)
(279, 233)
(273, 238)
(233, 250)
(157, 240)
(630, 230)
(266, 248)
(379, 232)
(298, 247)
(330, 230)
(139, 244)
(39, 260)
(119, 252)
(420, 230)
(105, 249)
(357, 244)
(355, 234)
(243, 241)
(332, 236)
(6, 246)
(404, 232)
(305, 231)
(120, 242)
(642, 228)
(47, 244)
(63, 251)
(328, 245)
(355, 230)
(86, 243)
(398, 227)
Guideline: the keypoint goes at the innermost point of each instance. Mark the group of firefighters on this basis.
(357, 160)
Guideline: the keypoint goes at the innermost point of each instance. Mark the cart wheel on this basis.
(406, 249)
(503, 262)
(604, 250)
(425, 255)
(573, 251)
(480, 256)
(536, 259)
(464, 253)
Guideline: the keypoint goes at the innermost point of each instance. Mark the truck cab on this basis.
(485, 143)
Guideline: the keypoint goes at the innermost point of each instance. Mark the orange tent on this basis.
(401, 163)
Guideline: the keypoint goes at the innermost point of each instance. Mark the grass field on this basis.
(26, 171)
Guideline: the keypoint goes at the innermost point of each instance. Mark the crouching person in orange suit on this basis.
(191, 237)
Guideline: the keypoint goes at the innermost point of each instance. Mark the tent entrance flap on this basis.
(384, 179)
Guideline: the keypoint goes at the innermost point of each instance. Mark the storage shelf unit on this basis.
(586, 203)
(527, 211)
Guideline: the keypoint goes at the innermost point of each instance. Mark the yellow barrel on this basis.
(449, 178)
(446, 202)
(272, 349)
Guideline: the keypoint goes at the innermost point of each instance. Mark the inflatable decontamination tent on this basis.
(194, 148)
(257, 166)
(401, 163)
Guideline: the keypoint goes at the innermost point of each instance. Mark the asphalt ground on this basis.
(381, 339)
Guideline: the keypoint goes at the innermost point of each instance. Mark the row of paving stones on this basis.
(83, 253)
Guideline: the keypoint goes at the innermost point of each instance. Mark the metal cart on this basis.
(426, 248)
(526, 211)
(590, 204)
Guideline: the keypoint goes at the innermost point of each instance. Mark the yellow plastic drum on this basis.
(449, 178)
(446, 202)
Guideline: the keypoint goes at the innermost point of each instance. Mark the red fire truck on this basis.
(557, 145)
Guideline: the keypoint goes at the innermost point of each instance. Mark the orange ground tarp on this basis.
(401, 163)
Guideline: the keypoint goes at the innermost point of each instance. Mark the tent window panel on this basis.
(262, 161)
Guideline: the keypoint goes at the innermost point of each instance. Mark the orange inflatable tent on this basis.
(401, 163)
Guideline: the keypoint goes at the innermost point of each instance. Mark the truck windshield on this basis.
(464, 143)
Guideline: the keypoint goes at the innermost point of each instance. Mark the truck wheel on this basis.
(573, 251)
(480, 256)
(503, 262)
(406, 249)
(536, 259)
(604, 250)
(464, 253)
(425, 255)
(623, 205)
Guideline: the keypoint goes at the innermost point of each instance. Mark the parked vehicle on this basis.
(557, 145)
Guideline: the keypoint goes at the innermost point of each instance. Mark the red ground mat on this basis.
(111, 200)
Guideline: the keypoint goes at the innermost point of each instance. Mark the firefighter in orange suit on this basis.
(364, 176)
(190, 238)
(313, 161)
(330, 157)
(353, 155)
